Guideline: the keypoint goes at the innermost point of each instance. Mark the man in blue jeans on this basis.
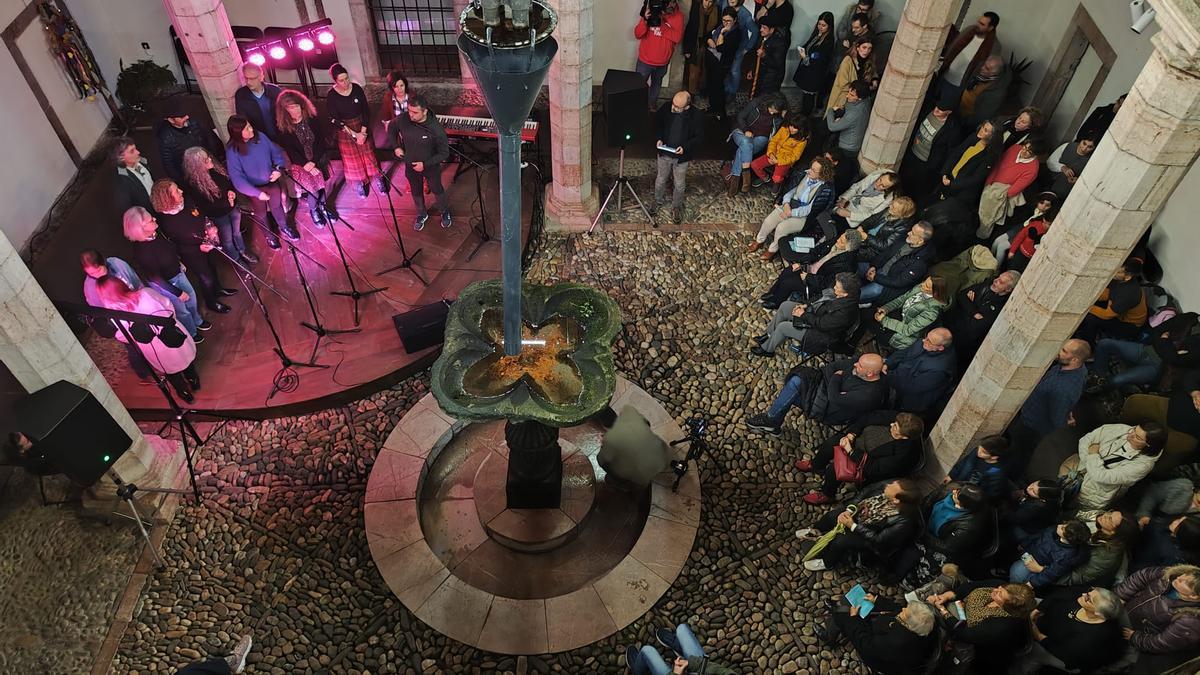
(745, 22)
(688, 655)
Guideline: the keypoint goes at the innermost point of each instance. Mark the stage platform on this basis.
(236, 362)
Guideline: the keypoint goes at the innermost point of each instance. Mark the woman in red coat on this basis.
(1016, 170)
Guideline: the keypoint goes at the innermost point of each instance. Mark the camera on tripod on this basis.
(656, 9)
(697, 447)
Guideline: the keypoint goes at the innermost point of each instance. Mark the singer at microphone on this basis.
(302, 136)
(418, 140)
(346, 104)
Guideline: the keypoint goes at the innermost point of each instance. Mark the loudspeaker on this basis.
(70, 427)
(422, 327)
(624, 94)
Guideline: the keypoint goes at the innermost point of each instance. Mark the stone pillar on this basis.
(572, 201)
(364, 33)
(39, 349)
(207, 39)
(1139, 162)
(909, 70)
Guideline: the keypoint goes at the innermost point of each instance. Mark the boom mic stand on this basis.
(406, 262)
(335, 216)
(480, 228)
(316, 326)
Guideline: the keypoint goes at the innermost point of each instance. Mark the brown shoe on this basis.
(745, 180)
(755, 245)
(768, 255)
(731, 185)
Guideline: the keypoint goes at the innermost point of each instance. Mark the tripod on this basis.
(697, 427)
(406, 260)
(316, 326)
(126, 491)
(335, 217)
(480, 228)
(619, 186)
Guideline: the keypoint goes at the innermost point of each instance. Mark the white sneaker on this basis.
(237, 660)
(815, 565)
(807, 533)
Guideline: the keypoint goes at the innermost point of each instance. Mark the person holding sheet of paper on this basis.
(890, 638)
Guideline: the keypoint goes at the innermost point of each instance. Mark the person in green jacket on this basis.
(689, 658)
(918, 309)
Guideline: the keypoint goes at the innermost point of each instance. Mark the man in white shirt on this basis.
(133, 176)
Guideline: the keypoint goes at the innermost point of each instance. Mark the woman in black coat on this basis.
(982, 151)
(812, 73)
(808, 274)
(881, 230)
(304, 138)
(996, 623)
(723, 46)
(892, 639)
(182, 222)
(884, 521)
(889, 443)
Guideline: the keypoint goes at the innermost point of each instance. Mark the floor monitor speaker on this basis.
(624, 94)
(72, 430)
(422, 327)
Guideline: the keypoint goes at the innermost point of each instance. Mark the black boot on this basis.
(364, 188)
(318, 218)
(381, 185)
(330, 212)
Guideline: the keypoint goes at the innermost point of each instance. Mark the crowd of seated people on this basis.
(1065, 542)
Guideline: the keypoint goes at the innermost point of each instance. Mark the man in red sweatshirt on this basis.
(657, 34)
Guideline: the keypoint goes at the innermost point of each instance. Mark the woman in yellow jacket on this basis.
(783, 150)
(859, 64)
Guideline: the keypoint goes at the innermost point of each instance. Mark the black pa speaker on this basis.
(72, 430)
(422, 327)
(624, 94)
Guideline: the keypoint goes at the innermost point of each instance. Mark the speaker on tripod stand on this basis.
(625, 120)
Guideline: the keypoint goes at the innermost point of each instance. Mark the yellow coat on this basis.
(847, 73)
(784, 148)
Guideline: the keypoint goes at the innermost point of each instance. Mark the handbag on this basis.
(844, 468)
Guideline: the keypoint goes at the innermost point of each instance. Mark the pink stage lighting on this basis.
(305, 44)
(278, 53)
(257, 59)
(325, 37)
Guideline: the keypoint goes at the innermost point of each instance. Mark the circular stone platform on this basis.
(423, 522)
(534, 530)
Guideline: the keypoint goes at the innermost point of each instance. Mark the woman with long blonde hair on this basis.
(209, 187)
(302, 137)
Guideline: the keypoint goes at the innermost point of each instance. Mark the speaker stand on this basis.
(619, 186)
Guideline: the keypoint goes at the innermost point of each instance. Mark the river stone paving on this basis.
(278, 546)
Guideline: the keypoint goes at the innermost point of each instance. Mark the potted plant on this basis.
(142, 83)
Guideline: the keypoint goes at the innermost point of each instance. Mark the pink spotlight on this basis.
(305, 44)
(325, 37)
(257, 59)
(278, 53)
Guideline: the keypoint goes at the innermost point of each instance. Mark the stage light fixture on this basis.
(277, 52)
(257, 59)
(325, 37)
(305, 44)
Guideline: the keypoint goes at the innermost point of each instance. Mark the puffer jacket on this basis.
(962, 538)
(1161, 625)
(917, 312)
(1056, 557)
(891, 230)
(784, 148)
(972, 266)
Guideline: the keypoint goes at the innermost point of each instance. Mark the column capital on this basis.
(1178, 39)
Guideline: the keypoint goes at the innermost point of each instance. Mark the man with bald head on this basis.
(256, 100)
(922, 374)
(679, 129)
(1051, 400)
(840, 392)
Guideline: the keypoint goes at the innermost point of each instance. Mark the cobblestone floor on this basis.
(278, 547)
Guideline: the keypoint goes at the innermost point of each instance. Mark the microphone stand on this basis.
(406, 262)
(286, 374)
(480, 228)
(335, 216)
(316, 326)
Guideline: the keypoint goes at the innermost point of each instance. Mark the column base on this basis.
(167, 470)
(573, 216)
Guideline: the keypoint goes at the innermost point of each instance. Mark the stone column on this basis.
(1139, 162)
(572, 201)
(39, 349)
(364, 32)
(207, 39)
(909, 70)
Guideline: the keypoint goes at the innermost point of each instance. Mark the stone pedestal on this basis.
(535, 530)
(906, 77)
(571, 201)
(1139, 162)
(534, 466)
(203, 27)
(39, 349)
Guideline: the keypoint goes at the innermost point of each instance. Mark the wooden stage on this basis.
(236, 362)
